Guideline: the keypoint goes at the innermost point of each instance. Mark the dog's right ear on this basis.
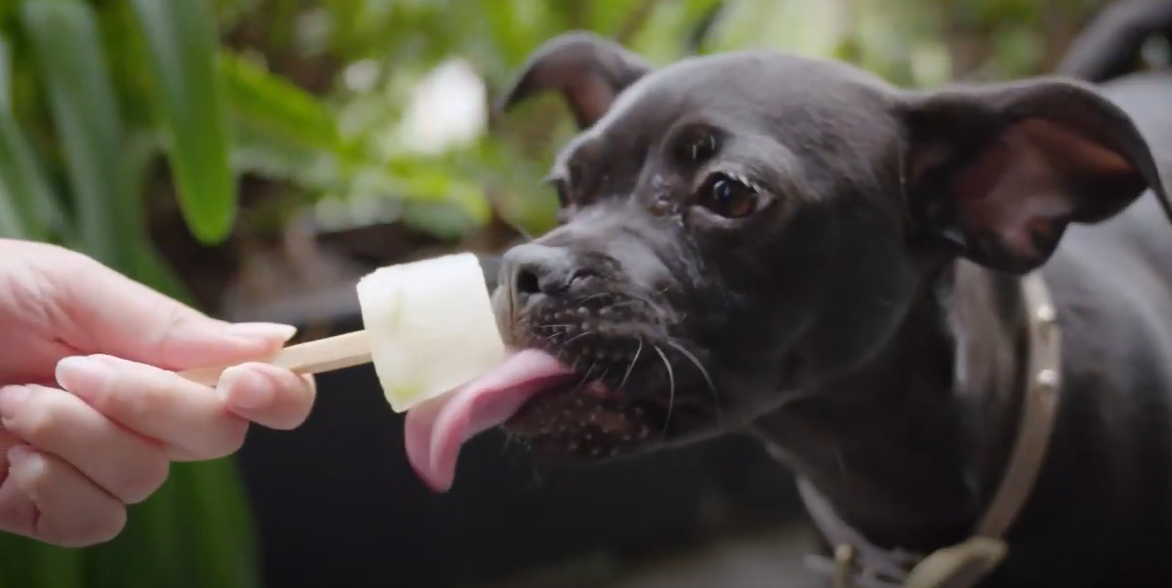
(588, 70)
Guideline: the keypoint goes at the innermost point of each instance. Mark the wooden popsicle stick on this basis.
(311, 357)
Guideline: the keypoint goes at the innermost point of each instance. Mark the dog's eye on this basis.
(728, 197)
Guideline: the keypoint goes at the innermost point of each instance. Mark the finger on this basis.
(268, 395)
(54, 421)
(47, 499)
(100, 308)
(156, 403)
(7, 440)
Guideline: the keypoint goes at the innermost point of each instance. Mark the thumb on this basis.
(118, 316)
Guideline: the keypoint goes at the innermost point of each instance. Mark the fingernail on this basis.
(25, 463)
(242, 387)
(11, 399)
(78, 367)
(263, 331)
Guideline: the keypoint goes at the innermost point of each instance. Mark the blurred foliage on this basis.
(82, 116)
(339, 105)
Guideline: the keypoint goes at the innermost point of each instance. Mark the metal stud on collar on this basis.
(1045, 314)
(1047, 380)
(844, 565)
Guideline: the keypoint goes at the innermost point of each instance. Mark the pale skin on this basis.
(92, 412)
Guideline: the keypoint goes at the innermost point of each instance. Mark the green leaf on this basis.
(195, 532)
(274, 107)
(667, 29)
(28, 207)
(25, 563)
(181, 41)
(21, 185)
(69, 55)
(421, 180)
(5, 75)
(13, 220)
(272, 155)
(800, 26)
(149, 551)
(220, 518)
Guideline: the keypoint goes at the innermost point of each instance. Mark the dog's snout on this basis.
(539, 269)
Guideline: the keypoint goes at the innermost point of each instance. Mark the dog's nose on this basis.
(532, 268)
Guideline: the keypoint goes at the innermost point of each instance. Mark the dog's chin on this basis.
(574, 422)
(588, 422)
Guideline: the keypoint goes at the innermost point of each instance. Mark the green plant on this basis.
(83, 188)
(91, 93)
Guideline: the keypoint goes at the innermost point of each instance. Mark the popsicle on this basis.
(429, 327)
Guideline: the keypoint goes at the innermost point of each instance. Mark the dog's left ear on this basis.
(590, 72)
(1001, 170)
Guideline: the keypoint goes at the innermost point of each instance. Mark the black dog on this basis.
(792, 248)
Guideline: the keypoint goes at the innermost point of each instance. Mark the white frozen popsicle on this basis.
(429, 327)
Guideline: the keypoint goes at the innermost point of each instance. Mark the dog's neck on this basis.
(909, 448)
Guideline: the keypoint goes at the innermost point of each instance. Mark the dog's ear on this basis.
(590, 72)
(1001, 170)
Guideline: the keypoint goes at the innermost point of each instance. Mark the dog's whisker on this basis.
(594, 296)
(649, 300)
(631, 367)
(576, 337)
(840, 462)
(586, 376)
(703, 372)
(625, 303)
(663, 291)
(671, 379)
(632, 298)
(547, 327)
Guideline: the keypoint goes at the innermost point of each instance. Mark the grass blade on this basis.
(5, 75)
(17, 217)
(25, 563)
(69, 55)
(223, 538)
(182, 51)
(28, 208)
(275, 104)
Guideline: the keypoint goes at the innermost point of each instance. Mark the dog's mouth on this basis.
(623, 388)
(535, 397)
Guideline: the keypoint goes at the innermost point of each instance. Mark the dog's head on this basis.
(740, 226)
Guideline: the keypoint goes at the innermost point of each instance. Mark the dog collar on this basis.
(858, 563)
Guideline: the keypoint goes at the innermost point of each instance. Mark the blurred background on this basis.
(255, 157)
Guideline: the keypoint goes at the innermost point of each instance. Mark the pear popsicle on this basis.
(429, 327)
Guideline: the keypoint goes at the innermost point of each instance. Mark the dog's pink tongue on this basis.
(435, 430)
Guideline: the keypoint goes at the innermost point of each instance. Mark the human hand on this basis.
(91, 410)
